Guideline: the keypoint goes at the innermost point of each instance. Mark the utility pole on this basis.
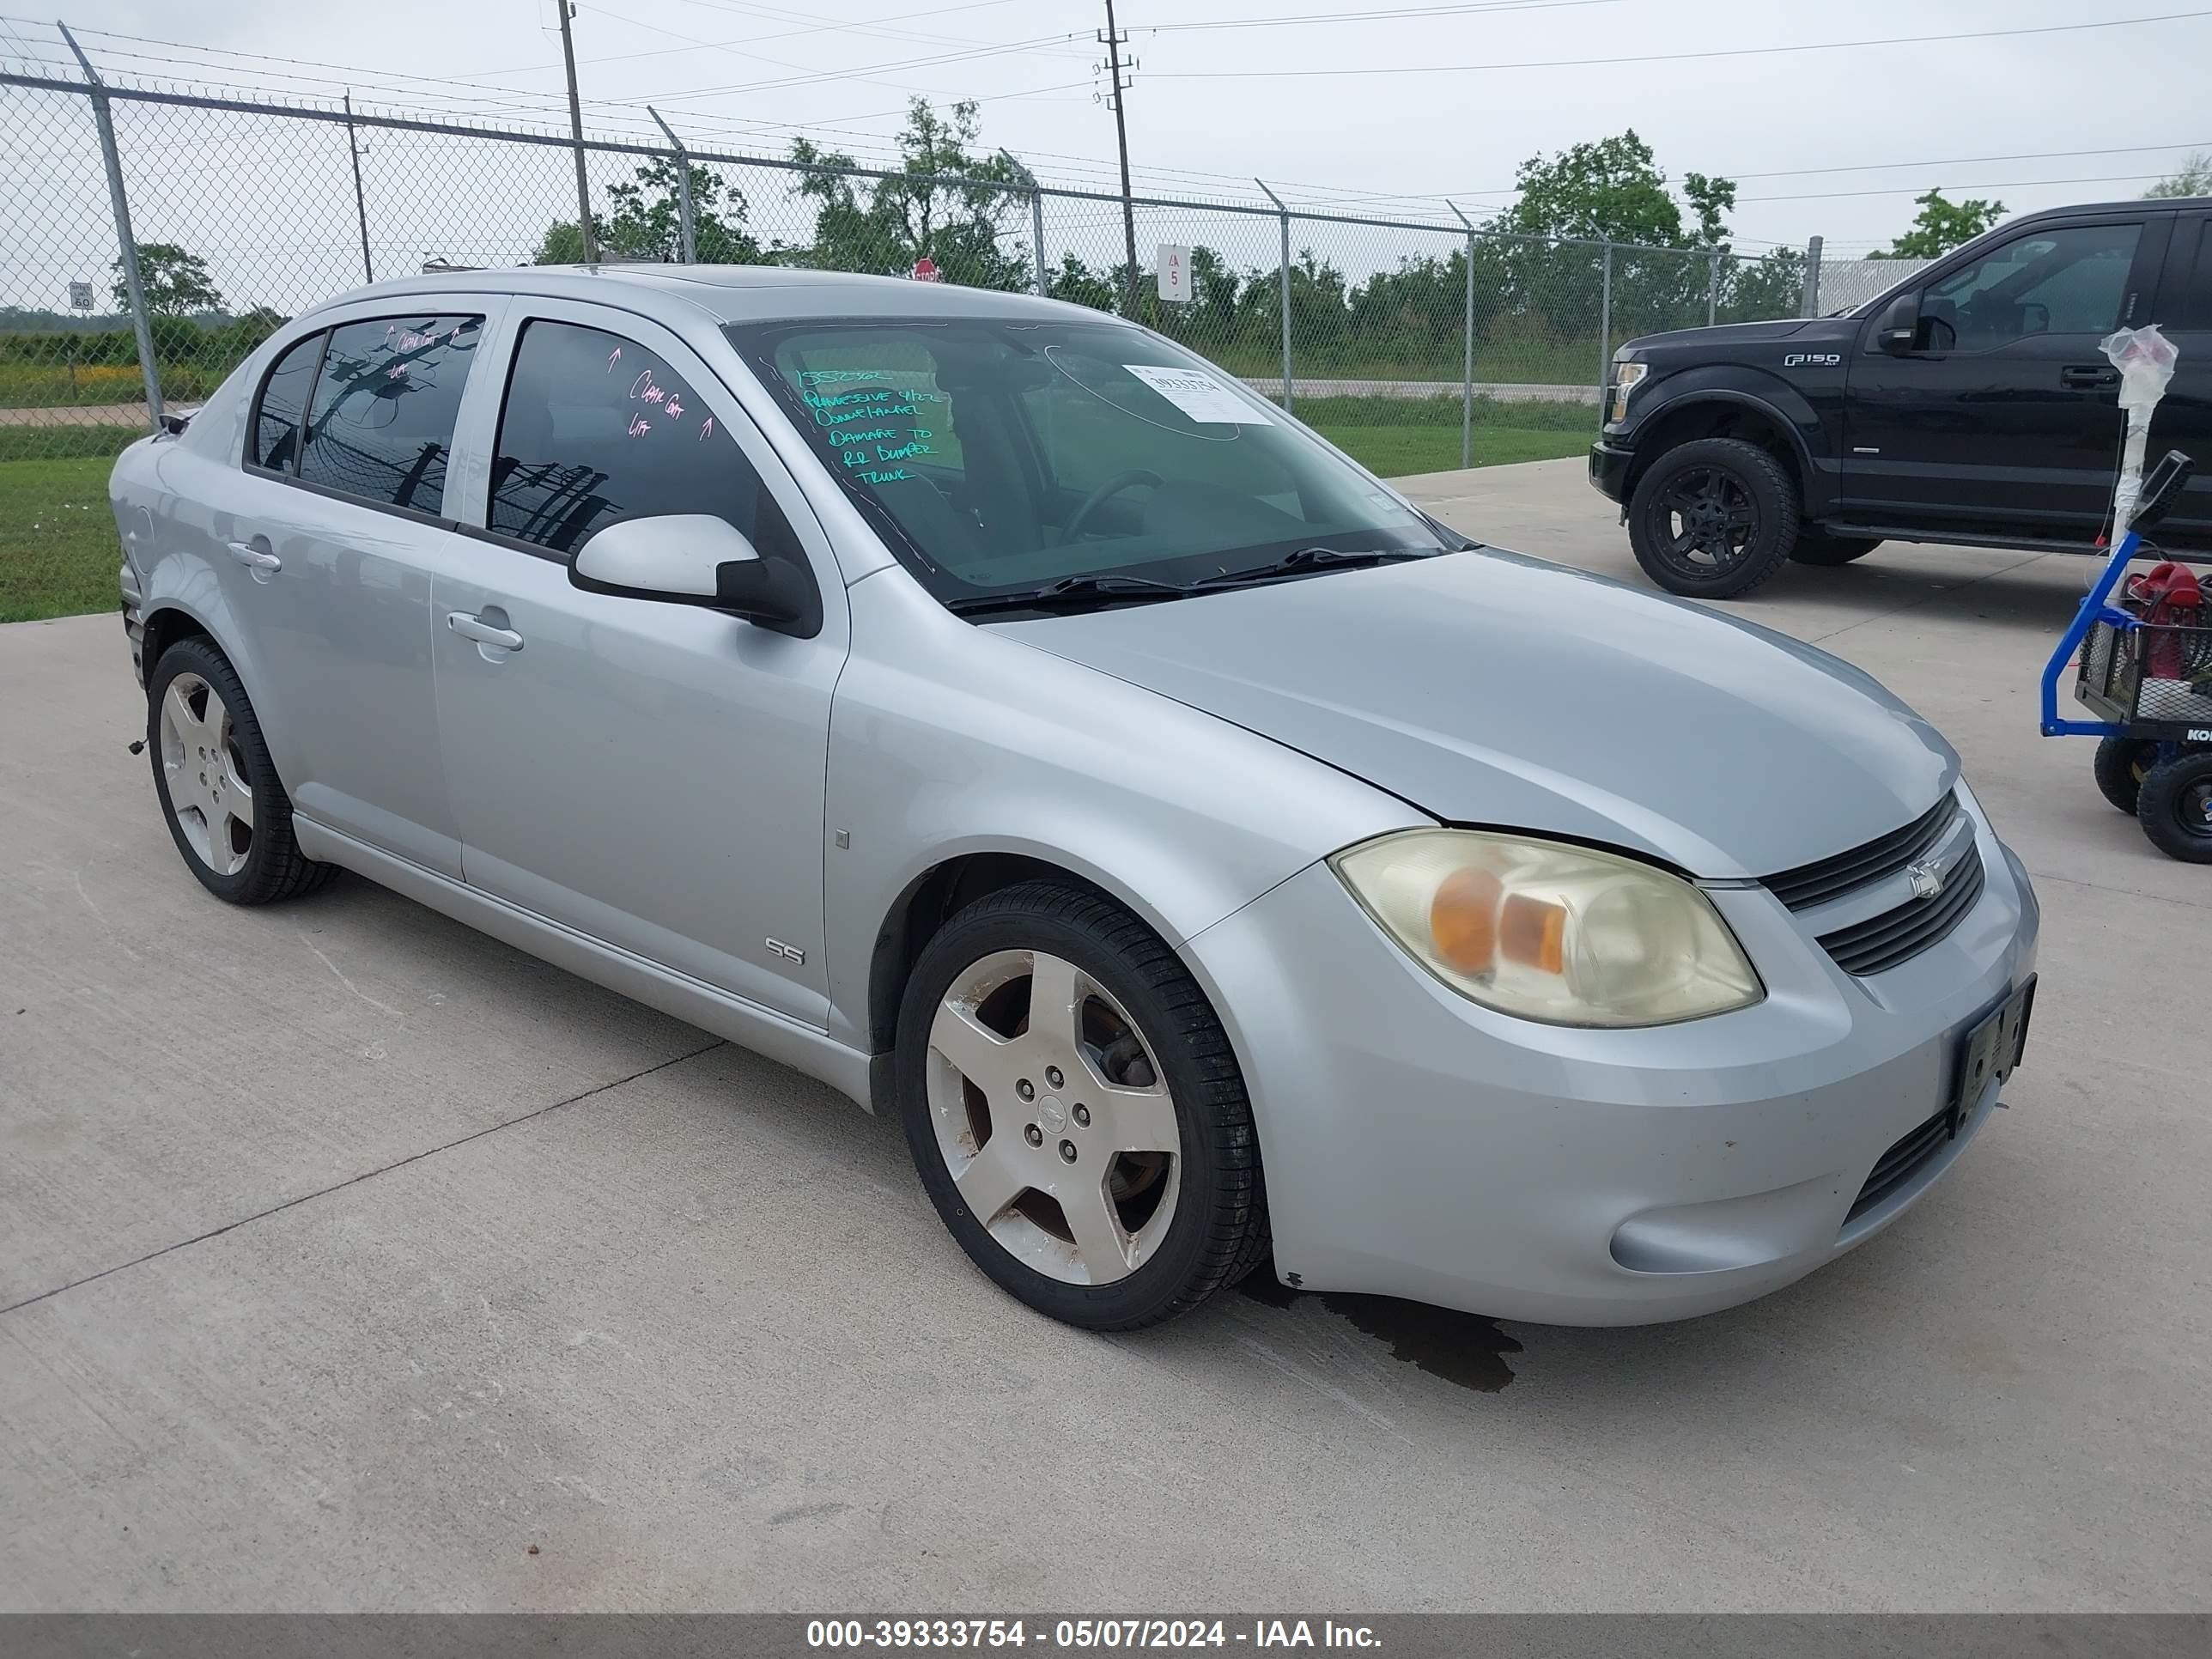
(1113, 39)
(566, 9)
(360, 202)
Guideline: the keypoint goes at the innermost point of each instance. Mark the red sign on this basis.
(925, 271)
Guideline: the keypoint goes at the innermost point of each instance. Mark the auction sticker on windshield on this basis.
(1199, 396)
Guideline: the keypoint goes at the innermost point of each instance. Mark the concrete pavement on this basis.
(345, 1254)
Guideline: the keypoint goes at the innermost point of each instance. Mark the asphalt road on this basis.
(347, 1256)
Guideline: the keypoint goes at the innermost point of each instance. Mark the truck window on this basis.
(2071, 280)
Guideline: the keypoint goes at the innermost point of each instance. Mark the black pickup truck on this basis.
(1970, 404)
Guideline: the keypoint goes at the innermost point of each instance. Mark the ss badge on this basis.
(790, 953)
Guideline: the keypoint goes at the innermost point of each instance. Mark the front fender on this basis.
(948, 740)
(1783, 405)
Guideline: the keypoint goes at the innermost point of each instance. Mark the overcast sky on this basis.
(1975, 116)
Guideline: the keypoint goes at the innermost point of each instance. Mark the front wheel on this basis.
(2175, 807)
(1713, 518)
(2122, 764)
(1075, 1110)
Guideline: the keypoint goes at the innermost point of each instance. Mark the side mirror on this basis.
(695, 558)
(1897, 331)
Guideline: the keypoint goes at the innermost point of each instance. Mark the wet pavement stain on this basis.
(1462, 1349)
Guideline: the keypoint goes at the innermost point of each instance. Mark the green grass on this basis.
(58, 551)
(1396, 450)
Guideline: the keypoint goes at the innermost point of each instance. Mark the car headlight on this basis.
(1626, 377)
(1548, 932)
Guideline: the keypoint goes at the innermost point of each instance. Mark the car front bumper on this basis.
(1417, 1145)
(1609, 470)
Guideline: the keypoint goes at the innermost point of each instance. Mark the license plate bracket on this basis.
(1990, 1051)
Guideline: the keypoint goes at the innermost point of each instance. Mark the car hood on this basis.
(1486, 688)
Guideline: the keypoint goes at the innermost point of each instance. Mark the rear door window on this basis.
(381, 419)
(598, 428)
(274, 441)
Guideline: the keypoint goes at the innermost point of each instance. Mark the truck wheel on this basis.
(1712, 518)
(2176, 808)
(2121, 765)
(1818, 546)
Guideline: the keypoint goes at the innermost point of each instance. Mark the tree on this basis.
(648, 222)
(1942, 225)
(1610, 190)
(945, 202)
(176, 283)
(2193, 177)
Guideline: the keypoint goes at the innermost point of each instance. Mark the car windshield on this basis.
(1000, 457)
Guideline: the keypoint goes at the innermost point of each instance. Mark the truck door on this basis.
(2002, 418)
(2184, 420)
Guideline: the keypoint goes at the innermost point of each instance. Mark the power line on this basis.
(1675, 57)
(1383, 14)
(1917, 189)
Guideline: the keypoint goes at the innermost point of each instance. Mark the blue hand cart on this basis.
(2150, 685)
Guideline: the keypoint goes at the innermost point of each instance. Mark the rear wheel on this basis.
(2121, 766)
(1823, 547)
(1075, 1110)
(227, 809)
(2175, 807)
(1713, 518)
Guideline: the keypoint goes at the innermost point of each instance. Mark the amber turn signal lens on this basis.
(1534, 933)
(1463, 920)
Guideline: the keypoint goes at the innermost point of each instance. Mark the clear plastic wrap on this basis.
(2145, 358)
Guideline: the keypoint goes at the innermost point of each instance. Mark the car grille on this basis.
(1817, 883)
(1879, 944)
(1896, 1166)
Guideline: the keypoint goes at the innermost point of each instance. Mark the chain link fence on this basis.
(1416, 346)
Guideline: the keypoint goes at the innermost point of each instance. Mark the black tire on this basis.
(1219, 1232)
(1822, 547)
(2176, 808)
(275, 868)
(2121, 765)
(1713, 518)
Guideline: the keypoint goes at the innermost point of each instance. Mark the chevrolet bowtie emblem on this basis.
(1927, 878)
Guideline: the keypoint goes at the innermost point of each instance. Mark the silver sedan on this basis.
(993, 709)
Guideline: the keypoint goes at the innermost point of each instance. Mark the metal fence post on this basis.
(1466, 350)
(1283, 216)
(141, 322)
(1604, 333)
(686, 226)
(1037, 240)
(360, 202)
(1808, 304)
(1713, 292)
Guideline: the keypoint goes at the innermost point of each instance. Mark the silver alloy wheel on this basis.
(205, 775)
(1053, 1120)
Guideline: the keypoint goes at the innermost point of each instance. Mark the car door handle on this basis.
(2082, 377)
(484, 632)
(253, 558)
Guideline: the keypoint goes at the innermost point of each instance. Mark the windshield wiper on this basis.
(1311, 558)
(1072, 592)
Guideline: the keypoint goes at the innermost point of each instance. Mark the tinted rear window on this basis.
(381, 422)
(275, 437)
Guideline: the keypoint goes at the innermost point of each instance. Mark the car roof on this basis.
(733, 293)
